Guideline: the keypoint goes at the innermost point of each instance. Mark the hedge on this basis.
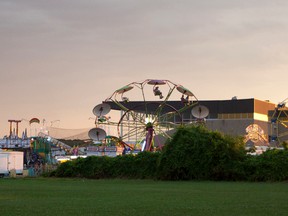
(193, 153)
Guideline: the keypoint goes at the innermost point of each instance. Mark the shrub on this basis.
(66, 169)
(142, 165)
(196, 153)
(272, 165)
(192, 153)
(94, 167)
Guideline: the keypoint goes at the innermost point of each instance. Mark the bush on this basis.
(66, 169)
(272, 165)
(146, 164)
(196, 153)
(192, 153)
(142, 165)
(94, 167)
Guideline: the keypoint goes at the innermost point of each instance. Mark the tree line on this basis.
(193, 153)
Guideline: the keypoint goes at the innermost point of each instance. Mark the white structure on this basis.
(11, 160)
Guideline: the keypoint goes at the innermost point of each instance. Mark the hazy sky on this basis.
(61, 58)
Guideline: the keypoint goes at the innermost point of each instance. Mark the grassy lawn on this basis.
(41, 196)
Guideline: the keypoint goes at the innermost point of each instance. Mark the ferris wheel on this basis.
(279, 123)
(150, 112)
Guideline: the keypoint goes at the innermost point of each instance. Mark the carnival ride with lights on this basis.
(145, 123)
(36, 149)
(279, 123)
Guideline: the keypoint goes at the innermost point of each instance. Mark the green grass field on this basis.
(44, 196)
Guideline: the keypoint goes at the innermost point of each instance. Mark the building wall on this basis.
(253, 131)
(235, 127)
(244, 117)
(247, 118)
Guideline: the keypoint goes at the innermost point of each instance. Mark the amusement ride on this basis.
(279, 123)
(148, 120)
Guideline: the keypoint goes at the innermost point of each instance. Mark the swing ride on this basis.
(148, 114)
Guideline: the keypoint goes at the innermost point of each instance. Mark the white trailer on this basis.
(11, 160)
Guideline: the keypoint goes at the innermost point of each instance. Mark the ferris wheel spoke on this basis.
(168, 117)
(130, 126)
(133, 130)
(141, 136)
(168, 125)
(132, 116)
(159, 131)
(140, 118)
(134, 135)
(159, 108)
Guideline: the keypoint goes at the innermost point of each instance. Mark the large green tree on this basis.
(197, 153)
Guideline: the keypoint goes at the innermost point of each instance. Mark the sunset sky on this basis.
(61, 58)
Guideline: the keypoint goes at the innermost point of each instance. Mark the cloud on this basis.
(87, 49)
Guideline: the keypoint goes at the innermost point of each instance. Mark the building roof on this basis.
(215, 107)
